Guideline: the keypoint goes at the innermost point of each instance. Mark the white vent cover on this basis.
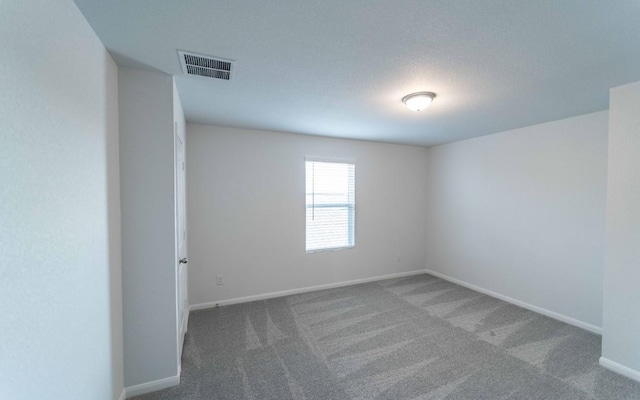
(207, 66)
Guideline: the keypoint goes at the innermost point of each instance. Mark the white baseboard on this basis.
(620, 369)
(272, 295)
(154, 386)
(539, 310)
(552, 314)
(123, 394)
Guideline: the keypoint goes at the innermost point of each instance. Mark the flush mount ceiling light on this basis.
(418, 101)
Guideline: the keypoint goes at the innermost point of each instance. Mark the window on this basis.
(330, 205)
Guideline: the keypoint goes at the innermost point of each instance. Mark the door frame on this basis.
(182, 308)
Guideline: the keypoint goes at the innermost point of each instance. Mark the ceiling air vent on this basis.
(207, 66)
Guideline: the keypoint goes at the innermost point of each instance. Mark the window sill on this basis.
(330, 249)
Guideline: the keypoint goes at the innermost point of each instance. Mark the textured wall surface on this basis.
(522, 213)
(148, 226)
(621, 343)
(246, 213)
(59, 212)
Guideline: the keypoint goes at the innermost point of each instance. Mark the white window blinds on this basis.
(330, 201)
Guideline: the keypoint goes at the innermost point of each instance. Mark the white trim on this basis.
(123, 394)
(331, 249)
(185, 324)
(153, 386)
(620, 369)
(271, 295)
(334, 160)
(552, 314)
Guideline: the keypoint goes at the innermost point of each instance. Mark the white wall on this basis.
(522, 213)
(60, 319)
(246, 217)
(621, 325)
(148, 226)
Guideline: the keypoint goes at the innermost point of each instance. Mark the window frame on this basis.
(350, 207)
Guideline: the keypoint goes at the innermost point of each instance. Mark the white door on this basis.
(181, 236)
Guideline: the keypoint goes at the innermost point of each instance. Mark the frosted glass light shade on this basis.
(418, 101)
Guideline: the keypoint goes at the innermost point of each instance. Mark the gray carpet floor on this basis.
(418, 337)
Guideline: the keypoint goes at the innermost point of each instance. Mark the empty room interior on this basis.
(212, 199)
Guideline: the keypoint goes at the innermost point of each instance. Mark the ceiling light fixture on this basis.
(418, 101)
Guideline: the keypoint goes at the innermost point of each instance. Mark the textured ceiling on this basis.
(339, 68)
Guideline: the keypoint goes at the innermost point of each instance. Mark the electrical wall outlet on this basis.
(398, 259)
(220, 280)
